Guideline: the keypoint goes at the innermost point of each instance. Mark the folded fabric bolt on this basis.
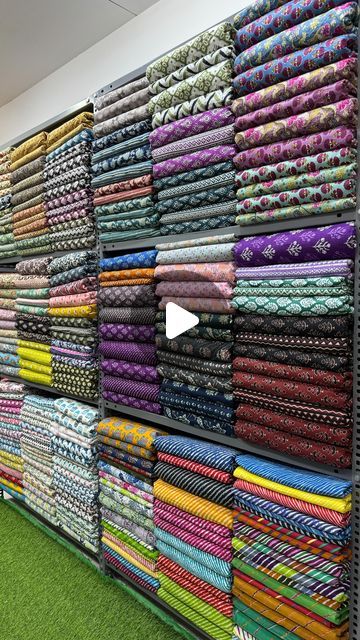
(335, 22)
(334, 242)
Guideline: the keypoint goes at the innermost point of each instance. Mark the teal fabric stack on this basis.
(122, 165)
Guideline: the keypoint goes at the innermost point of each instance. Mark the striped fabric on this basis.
(217, 565)
(204, 624)
(295, 520)
(207, 530)
(199, 605)
(218, 599)
(196, 484)
(211, 455)
(129, 569)
(196, 467)
(193, 539)
(194, 505)
(338, 518)
(194, 567)
(301, 479)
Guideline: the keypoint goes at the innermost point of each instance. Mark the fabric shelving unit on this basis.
(278, 191)
(289, 120)
(50, 312)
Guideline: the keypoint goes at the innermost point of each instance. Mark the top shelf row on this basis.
(241, 130)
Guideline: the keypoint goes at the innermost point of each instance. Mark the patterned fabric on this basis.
(191, 161)
(212, 100)
(336, 241)
(201, 45)
(190, 126)
(338, 21)
(215, 77)
(336, 76)
(312, 58)
(302, 146)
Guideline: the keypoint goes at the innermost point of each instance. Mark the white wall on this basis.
(162, 27)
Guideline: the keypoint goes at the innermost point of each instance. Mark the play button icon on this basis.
(178, 320)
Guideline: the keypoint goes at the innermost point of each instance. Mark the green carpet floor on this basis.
(47, 593)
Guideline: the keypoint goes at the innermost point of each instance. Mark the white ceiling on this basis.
(39, 36)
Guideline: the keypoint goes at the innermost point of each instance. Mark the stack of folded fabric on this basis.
(127, 458)
(127, 331)
(73, 310)
(291, 552)
(75, 471)
(31, 230)
(9, 361)
(37, 430)
(193, 139)
(69, 206)
(297, 109)
(32, 321)
(121, 164)
(11, 461)
(293, 350)
(7, 241)
(199, 276)
(192, 513)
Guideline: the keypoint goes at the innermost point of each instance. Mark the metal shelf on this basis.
(52, 254)
(57, 392)
(234, 443)
(197, 633)
(109, 248)
(239, 232)
(140, 243)
(11, 260)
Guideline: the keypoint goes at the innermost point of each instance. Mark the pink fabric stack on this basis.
(11, 462)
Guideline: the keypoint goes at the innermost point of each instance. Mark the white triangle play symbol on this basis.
(178, 320)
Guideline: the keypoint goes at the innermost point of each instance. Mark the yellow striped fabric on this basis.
(342, 505)
(193, 504)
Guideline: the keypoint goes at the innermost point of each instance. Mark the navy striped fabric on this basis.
(292, 477)
(294, 520)
(211, 455)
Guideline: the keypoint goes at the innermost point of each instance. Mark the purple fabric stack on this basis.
(127, 331)
(193, 171)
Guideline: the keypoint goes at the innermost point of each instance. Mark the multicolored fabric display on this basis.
(121, 164)
(73, 329)
(193, 528)
(30, 227)
(296, 110)
(33, 325)
(295, 390)
(37, 430)
(205, 287)
(11, 458)
(127, 498)
(68, 194)
(193, 134)
(7, 238)
(75, 471)
(291, 549)
(128, 345)
(9, 359)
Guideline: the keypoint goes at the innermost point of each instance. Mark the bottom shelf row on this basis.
(232, 544)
